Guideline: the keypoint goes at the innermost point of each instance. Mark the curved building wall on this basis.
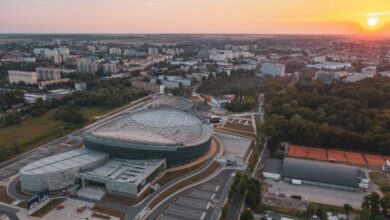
(174, 155)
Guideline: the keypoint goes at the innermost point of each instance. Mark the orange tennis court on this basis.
(374, 160)
(336, 156)
(355, 158)
(297, 151)
(316, 154)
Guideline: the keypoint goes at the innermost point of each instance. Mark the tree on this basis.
(347, 208)
(385, 204)
(247, 214)
(365, 214)
(250, 200)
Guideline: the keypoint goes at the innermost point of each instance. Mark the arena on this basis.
(163, 133)
(134, 148)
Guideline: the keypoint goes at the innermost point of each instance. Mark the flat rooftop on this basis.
(234, 146)
(163, 126)
(126, 171)
(75, 159)
(322, 172)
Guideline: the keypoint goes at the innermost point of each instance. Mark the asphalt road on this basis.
(10, 212)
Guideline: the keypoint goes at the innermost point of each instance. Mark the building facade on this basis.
(44, 74)
(16, 76)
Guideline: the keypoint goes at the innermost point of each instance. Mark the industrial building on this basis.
(316, 173)
(130, 177)
(175, 135)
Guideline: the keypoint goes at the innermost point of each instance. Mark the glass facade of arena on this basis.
(174, 155)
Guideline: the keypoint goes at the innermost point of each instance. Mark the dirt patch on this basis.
(4, 197)
(381, 180)
(101, 210)
(239, 127)
(125, 200)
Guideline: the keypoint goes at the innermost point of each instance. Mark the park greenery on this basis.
(30, 125)
(375, 207)
(354, 116)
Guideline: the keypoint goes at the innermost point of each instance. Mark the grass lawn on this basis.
(173, 175)
(4, 197)
(381, 180)
(90, 112)
(39, 130)
(108, 211)
(31, 131)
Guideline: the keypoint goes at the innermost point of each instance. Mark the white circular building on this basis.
(175, 135)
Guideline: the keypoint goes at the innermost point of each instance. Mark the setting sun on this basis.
(372, 22)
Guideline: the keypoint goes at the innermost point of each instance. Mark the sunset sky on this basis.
(195, 16)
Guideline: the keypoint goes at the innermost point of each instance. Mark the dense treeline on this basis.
(10, 98)
(341, 115)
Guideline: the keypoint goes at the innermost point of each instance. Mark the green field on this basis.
(38, 130)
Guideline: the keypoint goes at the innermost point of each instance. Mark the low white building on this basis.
(273, 169)
(16, 76)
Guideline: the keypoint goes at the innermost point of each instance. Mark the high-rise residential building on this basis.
(63, 50)
(129, 52)
(110, 68)
(45, 52)
(116, 51)
(91, 49)
(16, 76)
(152, 50)
(102, 49)
(273, 69)
(87, 66)
(48, 74)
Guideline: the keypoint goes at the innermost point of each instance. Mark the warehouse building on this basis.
(163, 133)
(130, 177)
(316, 173)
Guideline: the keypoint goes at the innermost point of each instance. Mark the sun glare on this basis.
(372, 22)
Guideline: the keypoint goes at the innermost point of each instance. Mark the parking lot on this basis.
(196, 203)
(317, 194)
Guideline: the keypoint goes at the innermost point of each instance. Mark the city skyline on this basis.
(361, 17)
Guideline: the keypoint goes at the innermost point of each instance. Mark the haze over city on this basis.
(201, 16)
(195, 109)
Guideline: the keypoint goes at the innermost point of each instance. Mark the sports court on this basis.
(374, 160)
(355, 158)
(297, 151)
(317, 154)
(337, 156)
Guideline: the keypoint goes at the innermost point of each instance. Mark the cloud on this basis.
(378, 13)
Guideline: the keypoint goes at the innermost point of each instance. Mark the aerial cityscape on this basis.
(194, 110)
